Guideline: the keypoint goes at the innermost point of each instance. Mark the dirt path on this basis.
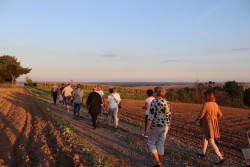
(29, 137)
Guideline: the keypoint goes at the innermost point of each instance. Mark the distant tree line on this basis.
(230, 94)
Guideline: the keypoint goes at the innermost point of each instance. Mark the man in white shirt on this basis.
(67, 91)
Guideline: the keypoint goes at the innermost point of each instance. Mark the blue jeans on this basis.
(77, 107)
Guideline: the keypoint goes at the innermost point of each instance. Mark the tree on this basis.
(11, 69)
(233, 89)
(246, 97)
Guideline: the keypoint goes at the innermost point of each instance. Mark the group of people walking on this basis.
(158, 119)
(157, 116)
(95, 101)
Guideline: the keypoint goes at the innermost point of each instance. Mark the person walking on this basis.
(146, 107)
(112, 106)
(67, 91)
(61, 89)
(208, 118)
(101, 93)
(54, 92)
(78, 99)
(158, 125)
(94, 103)
(116, 96)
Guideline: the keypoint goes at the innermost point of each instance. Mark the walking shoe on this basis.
(145, 135)
(220, 162)
(201, 154)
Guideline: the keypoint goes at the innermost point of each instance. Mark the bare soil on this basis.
(29, 137)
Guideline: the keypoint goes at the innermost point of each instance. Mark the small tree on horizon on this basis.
(11, 69)
(233, 89)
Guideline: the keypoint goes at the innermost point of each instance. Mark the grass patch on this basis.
(101, 162)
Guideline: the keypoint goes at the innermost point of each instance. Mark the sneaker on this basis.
(145, 135)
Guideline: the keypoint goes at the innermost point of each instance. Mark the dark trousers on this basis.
(67, 100)
(146, 122)
(77, 107)
(54, 95)
(94, 118)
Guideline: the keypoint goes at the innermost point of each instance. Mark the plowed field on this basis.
(233, 125)
(29, 135)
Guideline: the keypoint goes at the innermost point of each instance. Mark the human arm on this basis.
(219, 114)
(148, 126)
(150, 117)
(201, 114)
(146, 106)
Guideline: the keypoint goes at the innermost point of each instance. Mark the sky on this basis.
(128, 40)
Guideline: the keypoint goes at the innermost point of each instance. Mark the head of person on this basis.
(94, 88)
(98, 87)
(150, 92)
(63, 85)
(111, 90)
(115, 90)
(160, 91)
(69, 84)
(209, 96)
(155, 90)
(79, 86)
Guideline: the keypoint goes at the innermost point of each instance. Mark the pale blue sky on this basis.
(128, 40)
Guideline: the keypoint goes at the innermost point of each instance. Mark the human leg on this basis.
(75, 108)
(152, 142)
(68, 102)
(78, 109)
(54, 94)
(94, 118)
(216, 149)
(146, 122)
(116, 120)
(110, 114)
(161, 142)
(204, 145)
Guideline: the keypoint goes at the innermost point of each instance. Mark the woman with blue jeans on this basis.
(78, 96)
(158, 124)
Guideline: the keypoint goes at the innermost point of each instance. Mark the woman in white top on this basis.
(113, 101)
(148, 101)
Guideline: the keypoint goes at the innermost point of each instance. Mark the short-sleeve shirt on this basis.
(159, 113)
(100, 92)
(148, 100)
(78, 93)
(67, 91)
(112, 102)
